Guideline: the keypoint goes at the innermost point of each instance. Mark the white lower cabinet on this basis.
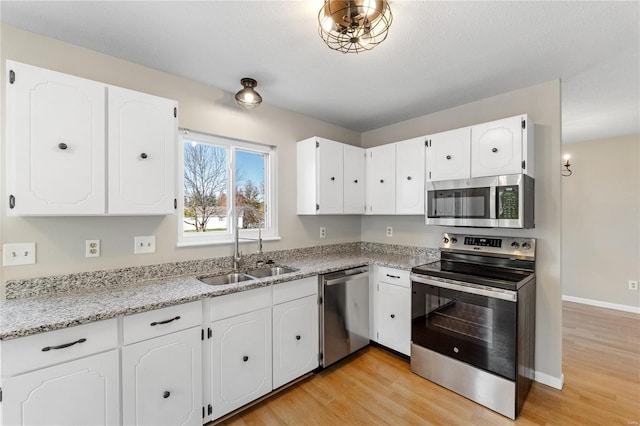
(240, 349)
(392, 309)
(62, 377)
(295, 331)
(162, 380)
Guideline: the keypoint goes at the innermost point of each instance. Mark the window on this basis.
(225, 183)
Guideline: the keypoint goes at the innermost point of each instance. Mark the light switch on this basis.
(18, 254)
(145, 244)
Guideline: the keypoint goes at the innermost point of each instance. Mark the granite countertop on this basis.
(23, 317)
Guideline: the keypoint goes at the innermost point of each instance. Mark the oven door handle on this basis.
(480, 290)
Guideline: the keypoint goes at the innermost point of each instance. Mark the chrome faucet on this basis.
(237, 254)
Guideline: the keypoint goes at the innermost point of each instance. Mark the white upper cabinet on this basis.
(57, 127)
(142, 135)
(55, 143)
(320, 176)
(354, 180)
(381, 179)
(449, 155)
(410, 167)
(502, 147)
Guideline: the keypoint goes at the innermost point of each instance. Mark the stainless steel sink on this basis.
(270, 271)
(225, 279)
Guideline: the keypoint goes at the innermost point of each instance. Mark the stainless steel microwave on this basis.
(493, 202)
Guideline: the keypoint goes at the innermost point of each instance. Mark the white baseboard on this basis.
(545, 379)
(598, 303)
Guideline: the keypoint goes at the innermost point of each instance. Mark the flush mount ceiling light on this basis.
(248, 98)
(354, 26)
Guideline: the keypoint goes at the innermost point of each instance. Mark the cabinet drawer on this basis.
(293, 290)
(159, 322)
(55, 347)
(243, 302)
(394, 276)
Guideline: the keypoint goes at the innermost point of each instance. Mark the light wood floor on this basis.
(601, 364)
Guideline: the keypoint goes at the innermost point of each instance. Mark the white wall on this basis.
(60, 240)
(542, 103)
(601, 221)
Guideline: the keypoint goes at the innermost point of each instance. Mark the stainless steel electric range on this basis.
(473, 319)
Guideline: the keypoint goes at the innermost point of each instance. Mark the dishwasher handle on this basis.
(346, 278)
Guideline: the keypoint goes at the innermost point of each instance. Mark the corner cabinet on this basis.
(56, 142)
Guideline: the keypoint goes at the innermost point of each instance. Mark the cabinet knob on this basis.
(408, 177)
(381, 180)
(143, 155)
(245, 358)
(393, 315)
(494, 150)
(166, 394)
(355, 181)
(448, 157)
(298, 337)
(62, 145)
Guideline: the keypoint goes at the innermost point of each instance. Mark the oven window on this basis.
(459, 203)
(478, 330)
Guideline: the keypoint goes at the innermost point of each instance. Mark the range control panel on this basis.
(501, 246)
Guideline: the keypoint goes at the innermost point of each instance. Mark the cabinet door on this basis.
(410, 176)
(295, 339)
(448, 155)
(496, 147)
(354, 180)
(393, 316)
(381, 179)
(330, 176)
(81, 392)
(142, 153)
(162, 380)
(240, 360)
(55, 143)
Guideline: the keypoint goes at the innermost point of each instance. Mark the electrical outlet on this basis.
(18, 254)
(389, 231)
(633, 285)
(92, 248)
(323, 232)
(145, 244)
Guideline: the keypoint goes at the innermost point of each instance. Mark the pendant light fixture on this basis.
(354, 26)
(248, 98)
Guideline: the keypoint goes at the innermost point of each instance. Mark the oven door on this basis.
(471, 323)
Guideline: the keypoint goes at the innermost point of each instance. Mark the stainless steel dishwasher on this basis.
(344, 313)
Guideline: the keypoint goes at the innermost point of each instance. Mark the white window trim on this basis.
(270, 185)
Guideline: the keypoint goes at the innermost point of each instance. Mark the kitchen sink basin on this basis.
(225, 279)
(270, 271)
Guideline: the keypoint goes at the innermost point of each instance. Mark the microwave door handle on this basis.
(493, 205)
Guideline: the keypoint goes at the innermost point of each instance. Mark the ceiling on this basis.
(437, 55)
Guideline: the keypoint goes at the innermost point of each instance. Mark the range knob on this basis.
(445, 240)
(454, 240)
(526, 246)
(515, 245)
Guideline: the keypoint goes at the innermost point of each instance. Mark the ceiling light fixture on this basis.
(354, 26)
(248, 98)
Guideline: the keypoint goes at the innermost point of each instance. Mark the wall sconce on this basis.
(567, 171)
(248, 98)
